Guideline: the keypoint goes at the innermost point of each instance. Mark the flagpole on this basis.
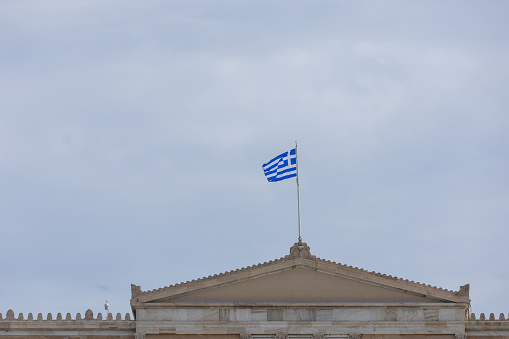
(298, 193)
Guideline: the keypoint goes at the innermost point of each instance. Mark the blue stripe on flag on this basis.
(284, 177)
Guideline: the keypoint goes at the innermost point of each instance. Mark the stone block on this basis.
(210, 315)
(224, 314)
(356, 314)
(165, 315)
(141, 314)
(240, 314)
(275, 315)
(299, 315)
(431, 314)
(258, 315)
(450, 314)
(194, 315)
(178, 314)
(410, 314)
(323, 315)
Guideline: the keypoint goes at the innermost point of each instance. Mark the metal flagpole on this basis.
(298, 194)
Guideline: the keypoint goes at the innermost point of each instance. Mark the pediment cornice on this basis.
(299, 257)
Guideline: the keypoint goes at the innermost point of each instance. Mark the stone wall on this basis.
(487, 327)
(59, 327)
(259, 323)
(404, 318)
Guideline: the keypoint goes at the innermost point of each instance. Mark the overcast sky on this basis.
(132, 135)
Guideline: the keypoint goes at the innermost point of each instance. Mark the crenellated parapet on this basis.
(89, 316)
(487, 326)
(482, 317)
(38, 326)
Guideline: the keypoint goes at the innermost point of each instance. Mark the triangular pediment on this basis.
(298, 278)
(299, 285)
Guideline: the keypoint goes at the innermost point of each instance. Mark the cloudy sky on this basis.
(132, 135)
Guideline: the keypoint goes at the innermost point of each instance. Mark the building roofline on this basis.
(300, 255)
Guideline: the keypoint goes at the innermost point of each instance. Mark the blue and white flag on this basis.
(282, 167)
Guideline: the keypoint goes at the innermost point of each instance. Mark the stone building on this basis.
(298, 296)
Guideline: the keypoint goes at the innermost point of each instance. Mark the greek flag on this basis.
(282, 167)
